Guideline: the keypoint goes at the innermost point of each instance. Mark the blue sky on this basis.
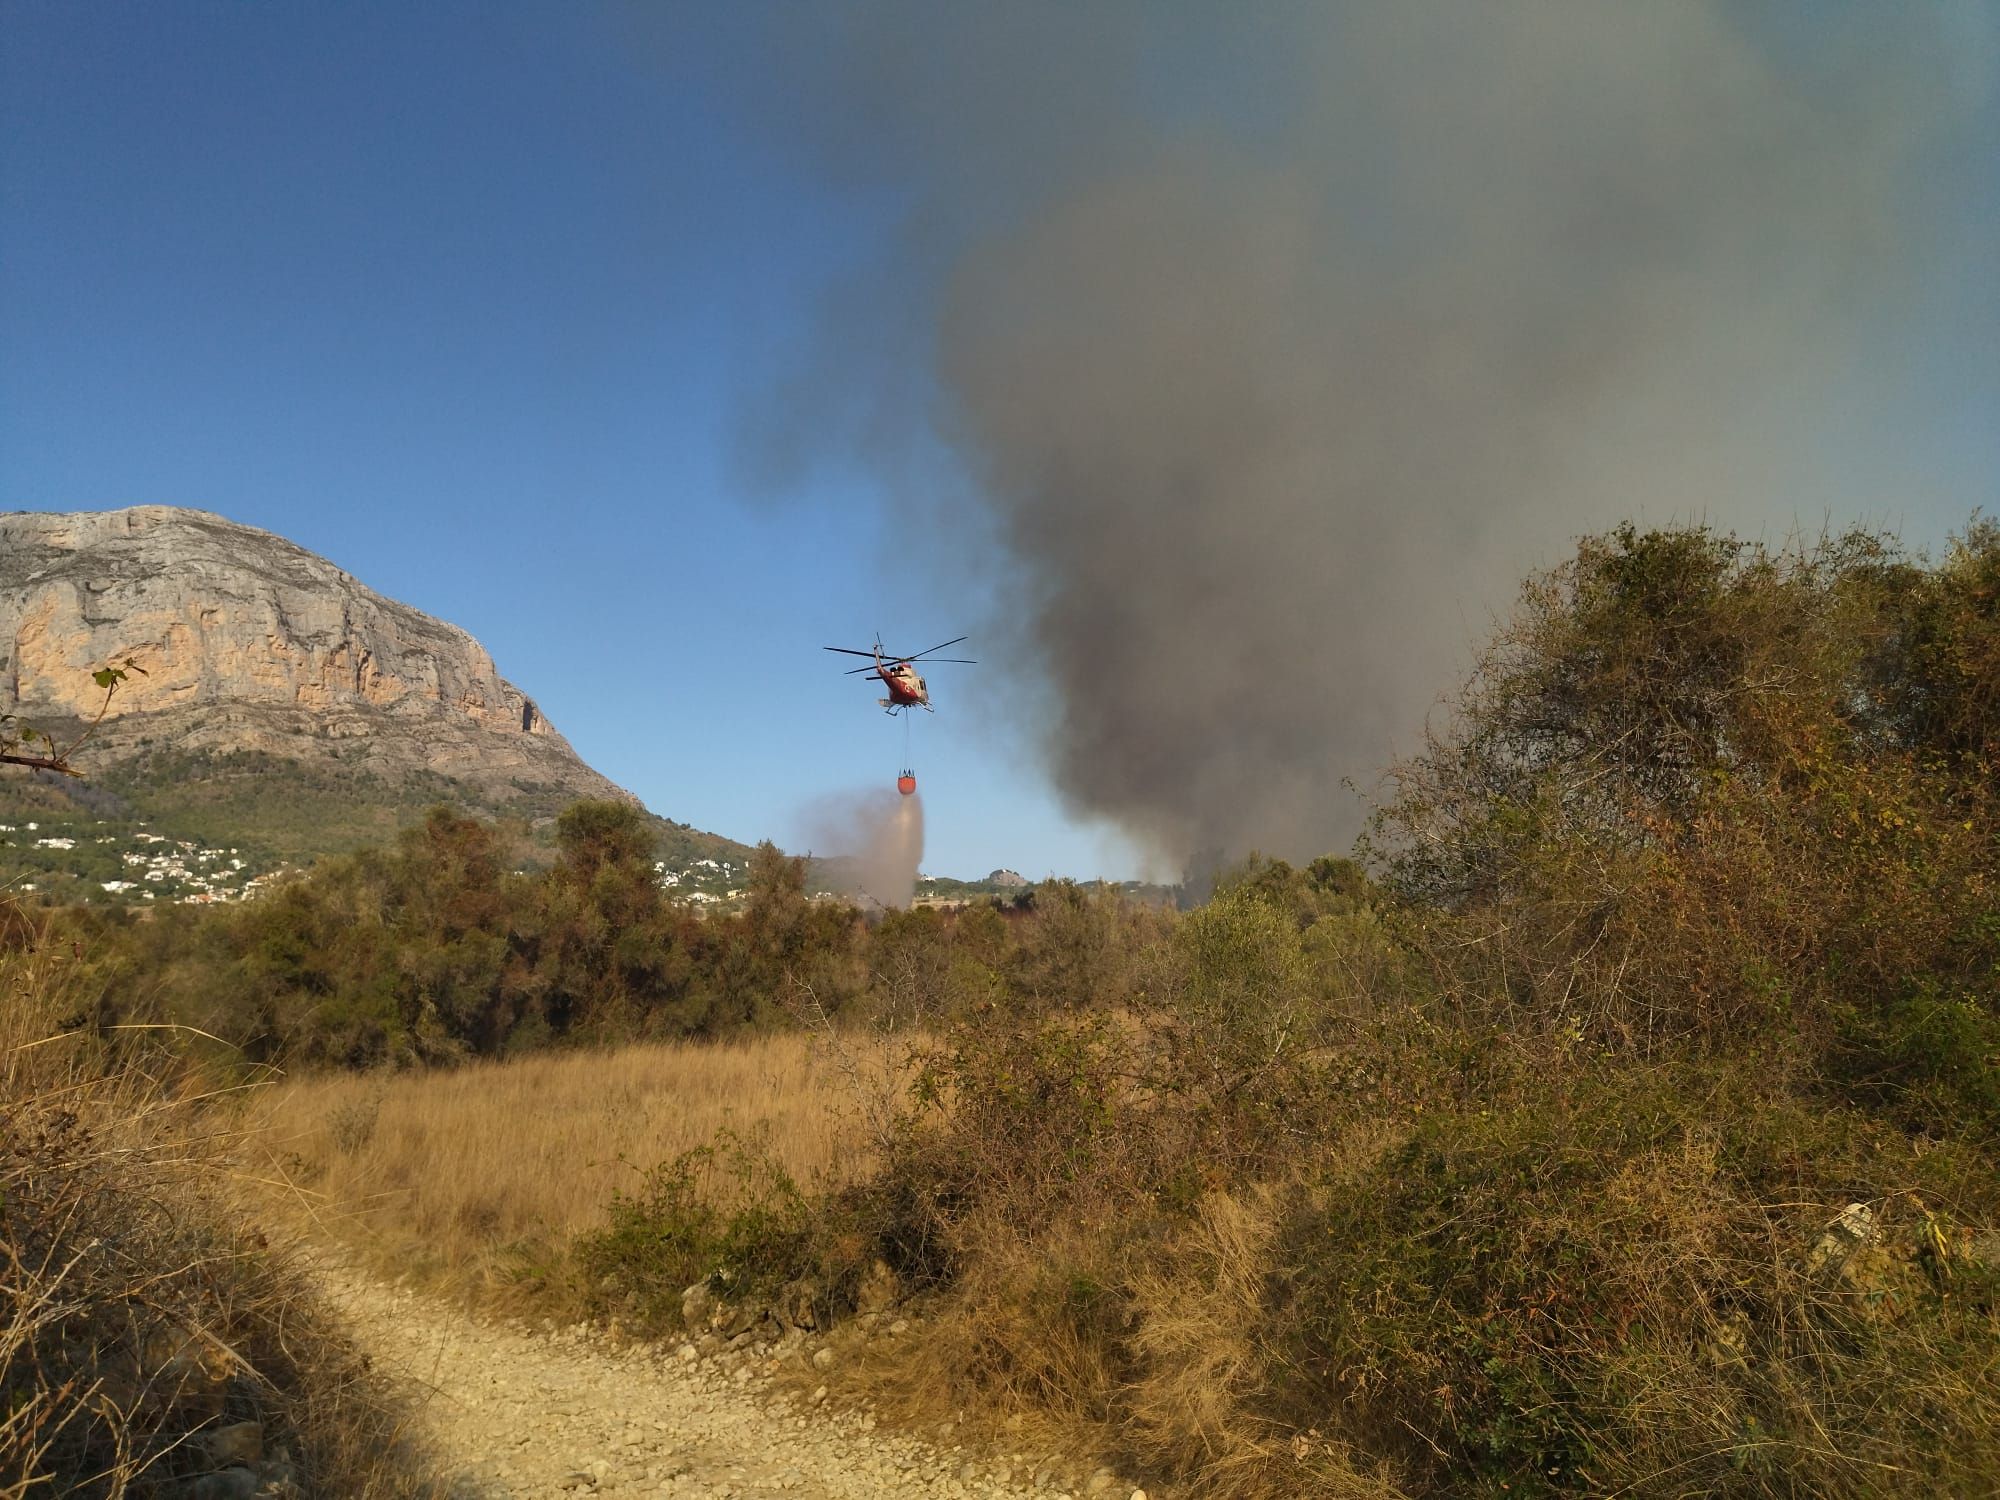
(470, 299)
(465, 298)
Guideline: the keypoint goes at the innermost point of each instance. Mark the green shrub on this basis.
(726, 1213)
(1609, 1283)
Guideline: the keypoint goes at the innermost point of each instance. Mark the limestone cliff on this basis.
(248, 642)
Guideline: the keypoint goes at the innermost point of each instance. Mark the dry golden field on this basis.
(458, 1171)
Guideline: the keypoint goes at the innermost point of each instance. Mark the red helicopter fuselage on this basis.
(906, 688)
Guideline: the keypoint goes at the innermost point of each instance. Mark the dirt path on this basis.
(521, 1415)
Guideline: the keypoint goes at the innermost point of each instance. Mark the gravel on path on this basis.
(522, 1415)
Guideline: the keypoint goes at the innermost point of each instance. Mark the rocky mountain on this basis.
(246, 642)
(279, 702)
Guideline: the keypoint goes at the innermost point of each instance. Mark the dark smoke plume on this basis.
(1276, 342)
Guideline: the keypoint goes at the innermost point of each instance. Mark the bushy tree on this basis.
(1706, 788)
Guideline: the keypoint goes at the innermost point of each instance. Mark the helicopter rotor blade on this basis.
(963, 661)
(855, 671)
(849, 651)
(927, 651)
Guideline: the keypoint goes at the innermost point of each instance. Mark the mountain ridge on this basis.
(234, 620)
(278, 701)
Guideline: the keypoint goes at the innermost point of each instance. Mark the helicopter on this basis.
(899, 674)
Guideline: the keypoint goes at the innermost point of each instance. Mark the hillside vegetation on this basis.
(438, 949)
(273, 812)
(1622, 1120)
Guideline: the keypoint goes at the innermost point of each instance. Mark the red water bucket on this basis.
(907, 783)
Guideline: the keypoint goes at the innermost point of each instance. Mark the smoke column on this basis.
(1272, 345)
(874, 841)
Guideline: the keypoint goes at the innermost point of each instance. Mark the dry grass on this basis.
(139, 1305)
(469, 1173)
(1195, 1335)
(1128, 1340)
